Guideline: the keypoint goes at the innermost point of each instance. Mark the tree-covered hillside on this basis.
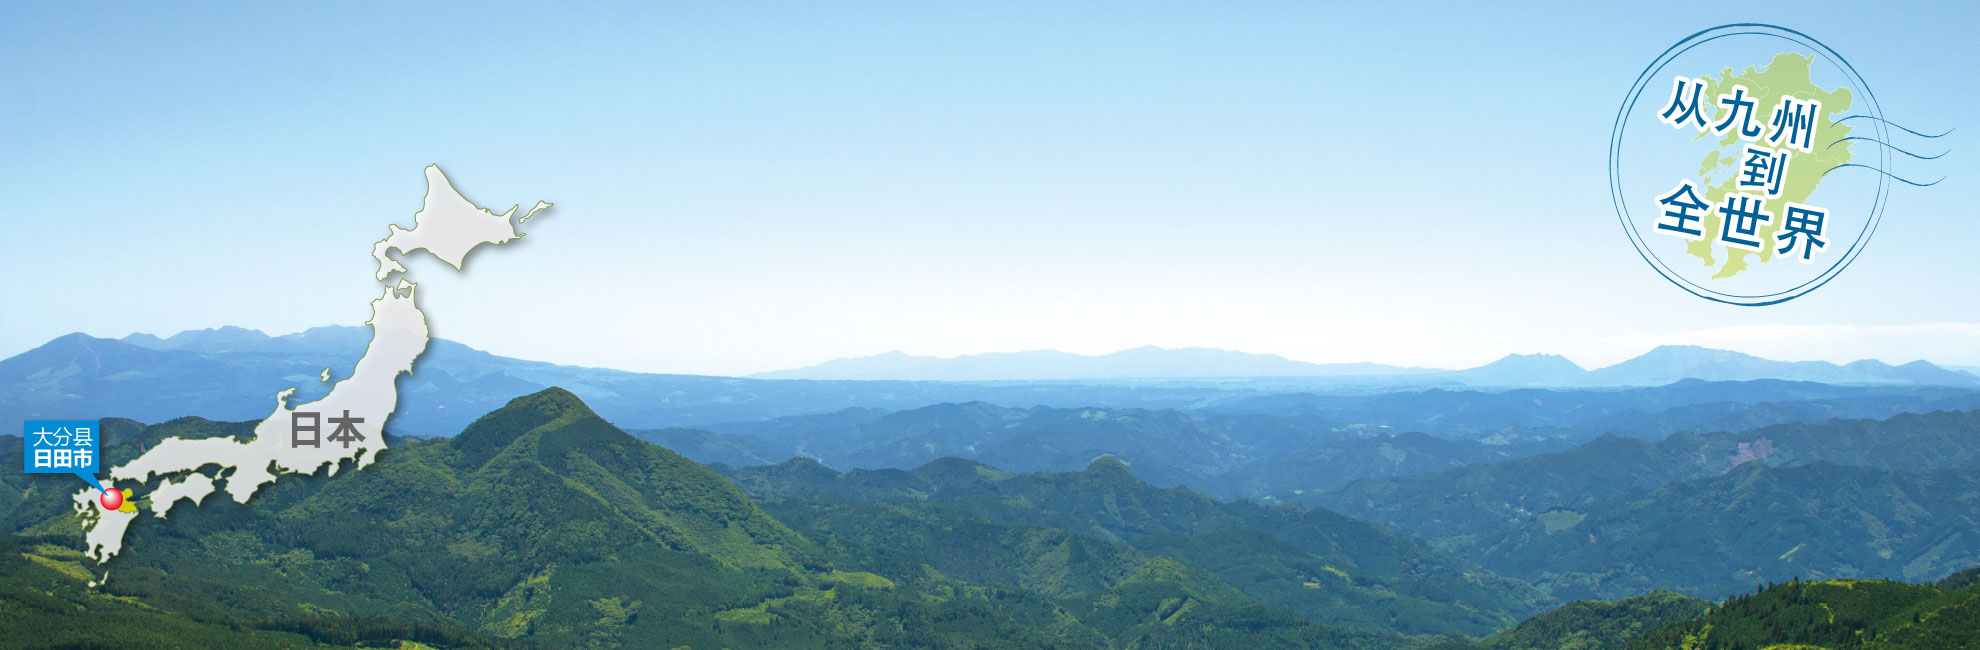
(544, 524)
(1324, 566)
(1832, 615)
(1590, 624)
(1706, 514)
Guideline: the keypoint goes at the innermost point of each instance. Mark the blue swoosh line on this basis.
(1887, 144)
(1893, 176)
(1899, 127)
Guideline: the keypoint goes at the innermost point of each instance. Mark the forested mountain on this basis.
(1721, 535)
(1647, 412)
(542, 523)
(1835, 614)
(1703, 513)
(1793, 615)
(1219, 454)
(1319, 564)
(1591, 624)
(1288, 445)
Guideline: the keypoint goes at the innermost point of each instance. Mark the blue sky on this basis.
(744, 187)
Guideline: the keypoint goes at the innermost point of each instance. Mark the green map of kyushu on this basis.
(1786, 76)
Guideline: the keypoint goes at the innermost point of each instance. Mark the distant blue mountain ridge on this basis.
(1662, 365)
(1146, 362)
(232, 373)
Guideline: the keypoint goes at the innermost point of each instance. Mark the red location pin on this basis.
(112, 499)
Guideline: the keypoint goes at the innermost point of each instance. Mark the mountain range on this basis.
(544, 524)
(1274, 445)
(1659, 366)
(1705, 514)
(231, 373)
(234, 373)
(1316, 563)
(1146, 362)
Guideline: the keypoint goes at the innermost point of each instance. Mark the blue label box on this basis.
(60, 447)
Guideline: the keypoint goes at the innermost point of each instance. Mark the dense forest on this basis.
(542, 525)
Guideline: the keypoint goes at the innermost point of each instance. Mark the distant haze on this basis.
(1661, 365)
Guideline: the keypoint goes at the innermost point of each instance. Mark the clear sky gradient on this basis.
(751, 186)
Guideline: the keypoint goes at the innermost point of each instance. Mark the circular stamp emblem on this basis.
(1730, 159)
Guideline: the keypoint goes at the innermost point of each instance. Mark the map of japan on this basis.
(346, 424)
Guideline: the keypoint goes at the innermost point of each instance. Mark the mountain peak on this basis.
(949, 465)
(1107, 464)
(80, 355)
(547, 409)
(213, 335)
(72, 338)
(803, 470)
(557, 397)
(1668, 364)
(1534, 360)
(144, 339)
(1525, 370)
(1692, 352)
(1668, 348)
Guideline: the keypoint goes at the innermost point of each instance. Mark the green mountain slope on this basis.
(1591, 624)
(45, 603)
(1837, 614)
(1619, 516)
(1794, 615)
(1758, 524)
(1290, 445)
(538, 522)
(1458, 509)
(1319, 564)
(545, 524)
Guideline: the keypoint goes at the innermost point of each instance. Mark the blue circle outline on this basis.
(1615, 171)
